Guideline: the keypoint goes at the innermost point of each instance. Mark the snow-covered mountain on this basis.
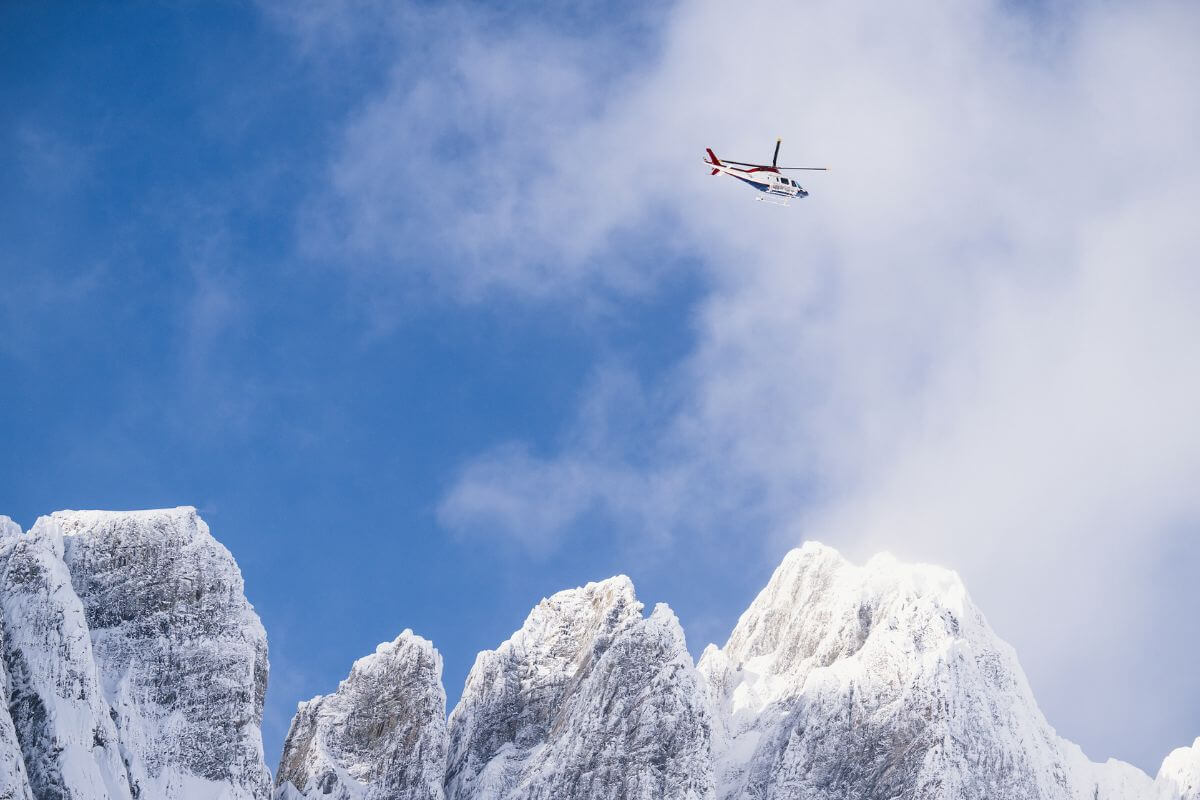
(134, 668)
(872, 682)
(884, 681)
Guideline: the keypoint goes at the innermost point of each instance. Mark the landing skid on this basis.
(774, 200)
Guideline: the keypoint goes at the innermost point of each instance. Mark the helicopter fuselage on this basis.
(765, 179)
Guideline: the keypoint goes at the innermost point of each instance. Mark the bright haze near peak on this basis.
(435, 310)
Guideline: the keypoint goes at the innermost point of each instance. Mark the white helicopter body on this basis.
(776, 187)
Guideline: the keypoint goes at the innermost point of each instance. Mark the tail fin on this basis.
(712, 159)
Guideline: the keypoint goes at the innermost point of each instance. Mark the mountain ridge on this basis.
(133, 667)
(793, 705)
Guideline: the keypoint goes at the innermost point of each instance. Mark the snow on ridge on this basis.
(386, 651)
(143, 522)
(563, 623)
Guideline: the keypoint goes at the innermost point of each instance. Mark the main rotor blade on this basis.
(769, 166)
(775, 157)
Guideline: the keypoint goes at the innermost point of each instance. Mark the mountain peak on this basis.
(381, 734)
(588, 699)
(1179, 774)
(818, 607)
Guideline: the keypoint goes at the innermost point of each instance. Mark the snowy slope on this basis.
(380, 736)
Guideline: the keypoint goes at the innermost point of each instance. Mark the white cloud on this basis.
(975, 343)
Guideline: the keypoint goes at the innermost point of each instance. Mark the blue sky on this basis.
(167, 343)
(431, 310)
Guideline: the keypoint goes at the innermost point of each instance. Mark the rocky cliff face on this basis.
(134, 666)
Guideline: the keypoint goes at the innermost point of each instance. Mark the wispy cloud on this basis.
(475, 170)
(536, 498)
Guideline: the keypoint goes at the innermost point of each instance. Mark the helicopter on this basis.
(777, 188)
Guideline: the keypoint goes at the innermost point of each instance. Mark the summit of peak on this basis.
(180, 524)
(92, 516)
(611, 596)
(812, 552)
(819, 567)
(819, 609)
